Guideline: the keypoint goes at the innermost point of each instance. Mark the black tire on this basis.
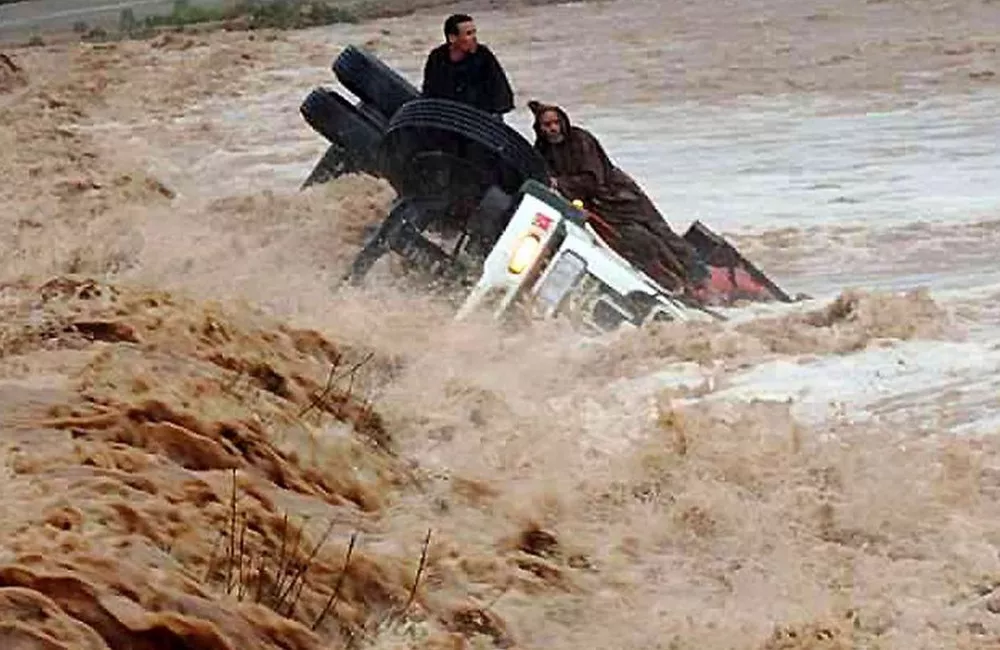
(373, 115)
(443, 146)
(372, 81)
(336, 161)
(341, 123)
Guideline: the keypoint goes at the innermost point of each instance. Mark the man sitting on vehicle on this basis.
(464, 70)
(580, 169)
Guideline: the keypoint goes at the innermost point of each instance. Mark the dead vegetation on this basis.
(272, 570)
(11, 74)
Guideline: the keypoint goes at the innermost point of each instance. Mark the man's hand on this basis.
(553, 182)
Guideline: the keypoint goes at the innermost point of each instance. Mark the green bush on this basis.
(277, 14)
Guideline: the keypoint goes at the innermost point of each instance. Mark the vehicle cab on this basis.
(549, 261)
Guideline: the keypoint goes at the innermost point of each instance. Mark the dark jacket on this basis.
(478, 80)
(584, 171)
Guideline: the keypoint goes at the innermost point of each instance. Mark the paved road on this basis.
(20, 20)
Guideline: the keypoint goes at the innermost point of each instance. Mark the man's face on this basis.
(551, 127)
(465, 41)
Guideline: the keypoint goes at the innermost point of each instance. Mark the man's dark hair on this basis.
(452, 23)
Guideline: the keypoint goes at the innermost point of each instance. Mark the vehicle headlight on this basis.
(524, 254)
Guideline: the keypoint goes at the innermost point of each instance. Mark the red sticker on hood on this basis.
(542, 221)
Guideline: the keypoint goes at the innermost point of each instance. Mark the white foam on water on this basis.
(878, 382)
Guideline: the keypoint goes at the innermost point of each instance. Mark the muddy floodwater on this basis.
(817, 475)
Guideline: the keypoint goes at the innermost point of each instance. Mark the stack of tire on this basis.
(355, 130)
(385, 133)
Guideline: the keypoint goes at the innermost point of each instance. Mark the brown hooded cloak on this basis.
(583, 171)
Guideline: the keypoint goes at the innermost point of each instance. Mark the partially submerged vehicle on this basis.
(509, 243)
